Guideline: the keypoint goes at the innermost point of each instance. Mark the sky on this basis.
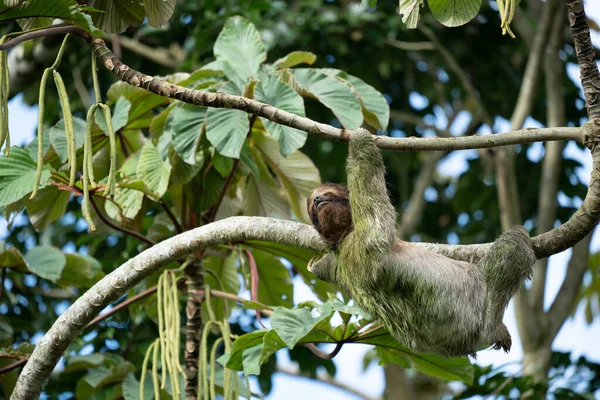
(575, 336)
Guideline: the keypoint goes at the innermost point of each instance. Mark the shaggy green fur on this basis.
(428, 302)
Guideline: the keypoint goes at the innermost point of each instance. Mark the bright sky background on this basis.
(575, 336)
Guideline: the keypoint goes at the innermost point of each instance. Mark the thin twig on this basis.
(14, 365)
(172, 216)
(123, 305)
(120, 228)
(4, 271)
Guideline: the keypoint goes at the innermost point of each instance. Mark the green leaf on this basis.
(296, 172)
(126, 204)
(182, 172)
(376, 109)
(152, 170)
(80, 271)
(131, 387)
(119, 115)
(30, 13)
(272, 91)
(274, 282)
(46, 262)
(142, 101)
(262, 195)
(251, 359)
(454, 12)
(6, 332)
(299, 257)
(240, 46)
(222, 164)
(226, 130)
(17, 174)
(58, 139)
(293, 324)
(235, 359)
(224, 277)
(23, 350)
(389, 350)
(49, 205)
(117, 15)
(271, 344)
(294, 58)
(186, 125)
(409, 9)
(333, 93)
(12, 258)
(159, 12)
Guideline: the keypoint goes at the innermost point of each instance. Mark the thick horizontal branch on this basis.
(224, 100)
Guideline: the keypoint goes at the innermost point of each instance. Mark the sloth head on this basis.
(329, 210)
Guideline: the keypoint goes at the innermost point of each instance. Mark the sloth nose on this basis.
(318, 200)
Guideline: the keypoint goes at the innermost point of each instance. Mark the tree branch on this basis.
(590, 77)
(231, 230)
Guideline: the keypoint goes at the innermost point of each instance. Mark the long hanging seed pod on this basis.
(110, 184)
(40, 131)
(204, 387)
(87, 167)
(4, 93)
(68, 122)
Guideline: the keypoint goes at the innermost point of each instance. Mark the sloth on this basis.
(428, 302)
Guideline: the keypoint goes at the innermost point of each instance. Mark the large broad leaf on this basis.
(159, 11)
(46, 262)
(142, 101)
(240, 46)
(182, 172)
(47, 11)
(17, 174)
(454, 12)
(12, 258)
(262, 196)
(333, 93)
(275, 285)
(152, 170)
(186, 125)
(224, 277)
(49, 205)
(119, 115)
(100, 377)
(131, 387)
(58, 139)
(389, 350)
(226, 130)
(272, 91)
(234, 360)
(80, 271)
(299, 258)
(294, 58)
(375, 107)
(296, 172)
(126, 204)
(117, 15)
(409, 9)
(293, 324)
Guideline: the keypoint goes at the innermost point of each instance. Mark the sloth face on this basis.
(329, 210)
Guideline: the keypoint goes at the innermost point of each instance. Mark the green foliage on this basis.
(272, 176)
(32, 14)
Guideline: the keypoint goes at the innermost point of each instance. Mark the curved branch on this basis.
(235, 229)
